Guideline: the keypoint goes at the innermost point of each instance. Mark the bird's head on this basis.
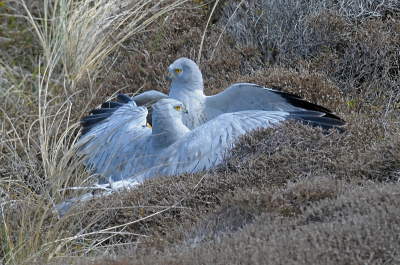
(169, 108)
(185, 73)
(167, 122)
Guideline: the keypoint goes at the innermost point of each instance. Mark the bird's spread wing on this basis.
(245, 96)
(117, 143)
(103, 114)
(109, 107)
(148, 98)
(205, 146)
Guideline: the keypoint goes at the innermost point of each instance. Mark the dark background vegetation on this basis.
(287, 195)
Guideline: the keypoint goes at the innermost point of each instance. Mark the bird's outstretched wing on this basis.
(146, 99)
(204, 147)
(246, 96)
(117, 143)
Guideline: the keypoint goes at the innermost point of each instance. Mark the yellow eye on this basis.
(177, 107)
(178, 70)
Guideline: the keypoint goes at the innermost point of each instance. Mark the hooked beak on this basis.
(170, 76)
(185, 111)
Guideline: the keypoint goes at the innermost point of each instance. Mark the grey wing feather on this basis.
(108, 108)
(148, 98)
(111, 145)
(246, 96)
(101, 115)
(205, 146)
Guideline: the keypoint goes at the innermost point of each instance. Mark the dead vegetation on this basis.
(285, 195)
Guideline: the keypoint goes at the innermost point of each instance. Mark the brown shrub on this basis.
(330, 222)
(367, 70)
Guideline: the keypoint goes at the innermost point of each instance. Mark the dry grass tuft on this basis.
(64, 42)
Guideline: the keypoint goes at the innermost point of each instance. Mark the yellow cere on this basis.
(178, 70)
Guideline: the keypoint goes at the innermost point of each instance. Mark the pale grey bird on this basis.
(119, 145)
(187, 87)
(123, 147)
(124, 150)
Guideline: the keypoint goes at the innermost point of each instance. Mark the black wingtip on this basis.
(102, 110)
(124, 98)
(326, 123)
(300, 102)
(94, 119)
(96, 116)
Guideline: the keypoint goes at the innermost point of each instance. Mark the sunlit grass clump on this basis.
(49, 48)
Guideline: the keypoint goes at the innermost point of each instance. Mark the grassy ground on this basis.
(285, 195)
